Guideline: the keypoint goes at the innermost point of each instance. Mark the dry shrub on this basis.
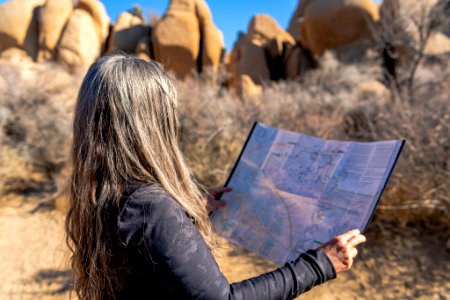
(35, 124)
(35, 120)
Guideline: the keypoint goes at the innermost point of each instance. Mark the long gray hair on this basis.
(125, 129)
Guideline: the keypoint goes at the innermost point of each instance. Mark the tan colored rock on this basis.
(98, 13)
(176, 38)
(127, 32)
(372, 87)
(294, 23)
(264, 28)
(259, 53)
(15, 55)
(52, 19)
(247, 58)
(212, 38)
(247, 88)
(331, 24)
(252, 62)
(213, 47)
(18, 25)
(144, 48)
(296, 62)
(438, 44)
(79, 46)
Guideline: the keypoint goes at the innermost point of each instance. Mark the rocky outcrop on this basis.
(212, 44)
(97, 11)
(185, 39)
(331, 24)
(297, 17)
(18, 25)
(247, 88)
(128, 30)
(52, 19)
(15, 55)
(176, 38)
(297, 61)
(80, 44)
(260, 54)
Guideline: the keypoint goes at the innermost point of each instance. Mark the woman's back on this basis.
(163, 256)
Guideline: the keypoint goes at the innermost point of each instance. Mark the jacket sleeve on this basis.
(174, 242)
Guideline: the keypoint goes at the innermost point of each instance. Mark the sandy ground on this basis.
(405, 264)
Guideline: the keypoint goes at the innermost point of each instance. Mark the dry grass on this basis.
(328, 102)
(36, 106)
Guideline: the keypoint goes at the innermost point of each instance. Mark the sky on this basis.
(230, 16)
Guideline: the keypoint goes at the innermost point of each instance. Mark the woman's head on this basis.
(125, 130)
(125, 119)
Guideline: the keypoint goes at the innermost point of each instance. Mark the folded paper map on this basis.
(293, 192)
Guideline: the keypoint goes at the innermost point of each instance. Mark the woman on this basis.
(137, 223)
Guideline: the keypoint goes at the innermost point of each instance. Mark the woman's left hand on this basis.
(211, 202)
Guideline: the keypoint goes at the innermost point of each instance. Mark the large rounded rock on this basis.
(297, 61)
(297, 17)
(212, 38)
(263, 28)
(176, 38)
(264, 31)
(79, 46)
(18, 25)
(259, 53)
(331, 24)
(98, 13)
(52, 19)
(127, 32)
(16, 55)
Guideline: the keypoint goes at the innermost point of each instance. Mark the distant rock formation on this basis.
(18, 25)
(322, 25)
(128, 30)
(97, 11)
(186, 39)
(260, 54)
(52, 19)
(80, 45)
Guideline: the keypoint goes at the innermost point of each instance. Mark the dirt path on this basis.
(32, 260)
(405, 264)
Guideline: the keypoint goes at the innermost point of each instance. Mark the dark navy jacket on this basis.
(160, 254)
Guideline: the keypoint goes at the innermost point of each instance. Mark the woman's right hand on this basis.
(342, 249)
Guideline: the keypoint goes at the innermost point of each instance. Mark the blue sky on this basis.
(230, 16)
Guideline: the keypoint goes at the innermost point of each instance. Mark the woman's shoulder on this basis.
(146, 196)
(141, 208)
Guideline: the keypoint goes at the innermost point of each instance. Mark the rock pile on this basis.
(54, 30)
(186, 40)
(321, 25)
